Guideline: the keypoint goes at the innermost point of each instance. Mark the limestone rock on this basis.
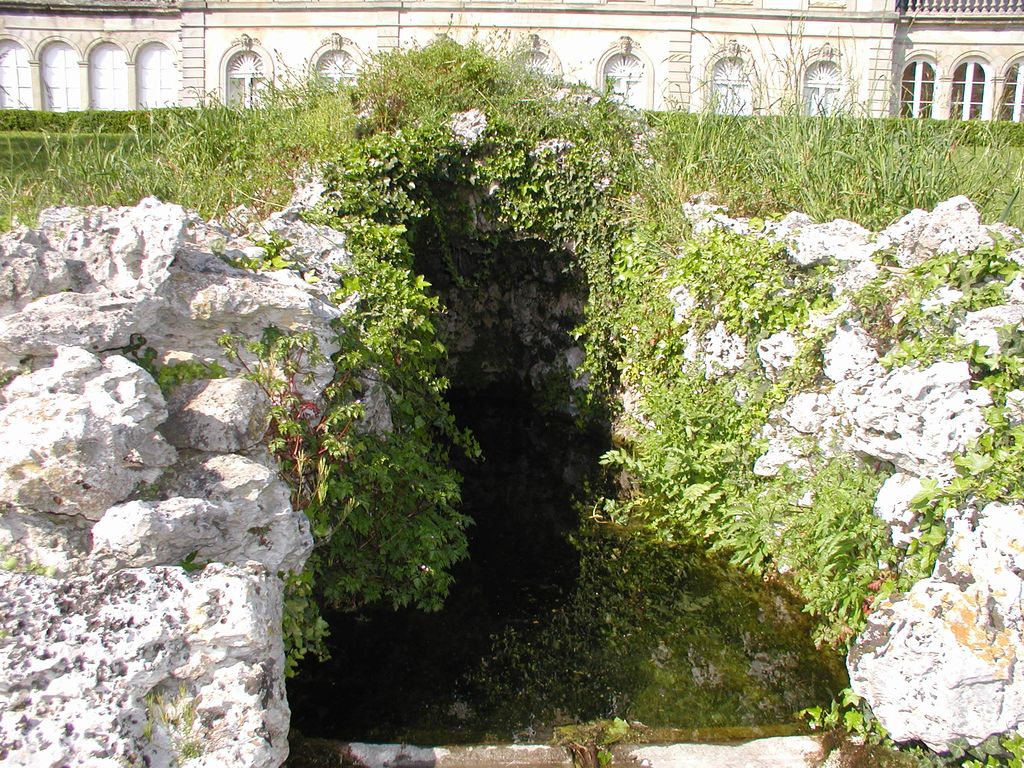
(29, 268)
(101, 673)
(808, 412)
(893, 506)
(57, 544)
(682, 302)
(99, 321)
(776, 353)
(705, 217)
(103, 664)
(217, 415)
(836, 241)
(81, 435)
(849, 352)
(943, 662)
(953, 226)
(918, 419)
(468, 126)
(718, 351)
(226, 509)
(314, 248)
(983, 326)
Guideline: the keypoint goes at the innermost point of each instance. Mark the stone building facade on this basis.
(940, 58)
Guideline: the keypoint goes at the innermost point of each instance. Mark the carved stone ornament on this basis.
(245, 41)
(825, 51)
(337, 42)
(626, 45)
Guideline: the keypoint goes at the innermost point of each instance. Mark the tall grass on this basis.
(868, 170)
(211, 158)
(216, 157)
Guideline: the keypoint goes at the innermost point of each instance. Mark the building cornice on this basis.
(93, 7)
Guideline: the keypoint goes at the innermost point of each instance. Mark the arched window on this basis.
(337, 67)
(108, 77)
(1011, 106)
(823, 88)
(731, 91)
(245, 78)
(15, 76)
(61, 86)
(539, 62)
(156, 77)
(970, 91)
(917, 90)
(625, 75)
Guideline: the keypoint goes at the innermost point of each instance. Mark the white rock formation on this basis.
(143, 667)
(776, 353)
(118, 655)
(67, 422)
(718, 351)
(953, 226)
(893, 506)
(943, 662)
(983, 326)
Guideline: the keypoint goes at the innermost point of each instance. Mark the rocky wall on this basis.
(144, 533)
(940, 663)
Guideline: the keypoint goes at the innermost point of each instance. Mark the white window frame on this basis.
(1013, 93)
(328, 69)
(243, 82)
(732, 92)
(108, 77)
(625, 75)
(971, 69)
(15, 76)
(823, 95)
(156, 76)
(917, 102)
(62, 87)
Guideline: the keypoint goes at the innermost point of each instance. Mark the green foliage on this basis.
(272, 257)
(87, 121)
(868, 170)
(747, 283)
(820, 527)
(864, 741)
(210, 159)
(173, 375)
(848, 712)
(15, 564)
(649, 620)
(176, 716)
(302, 627)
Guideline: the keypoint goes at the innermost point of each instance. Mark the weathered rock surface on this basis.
(154, 666)
(217, 415)
(112, 653)
(953, 226)
(943, 662)
(81, 434)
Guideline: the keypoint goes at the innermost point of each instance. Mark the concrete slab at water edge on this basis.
(488, 756)
(777, 752)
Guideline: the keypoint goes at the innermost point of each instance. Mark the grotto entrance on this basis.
(409, 675)
(414, 676)
(553, 618)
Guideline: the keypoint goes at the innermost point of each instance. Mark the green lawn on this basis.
(31, 151)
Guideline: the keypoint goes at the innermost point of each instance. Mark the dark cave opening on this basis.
(407, 675)
(404, 675)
